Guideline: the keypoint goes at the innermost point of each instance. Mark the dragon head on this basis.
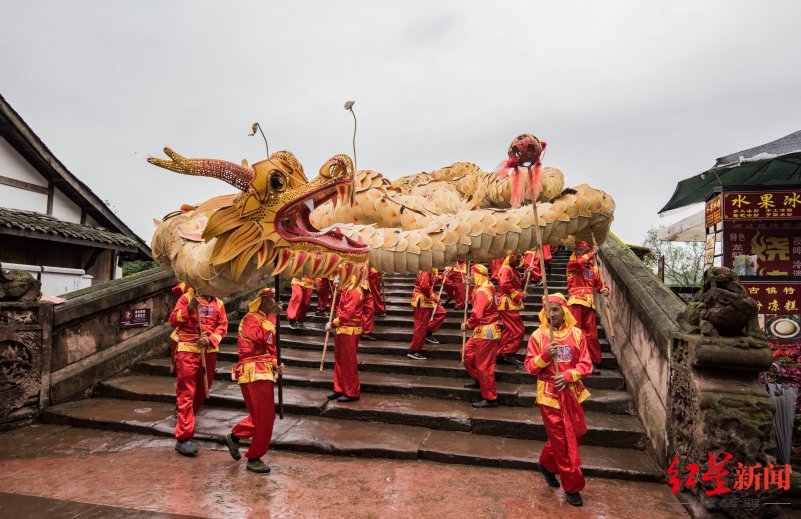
(269, 220)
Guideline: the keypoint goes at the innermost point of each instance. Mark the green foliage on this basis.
(684, 262)
(132, 267)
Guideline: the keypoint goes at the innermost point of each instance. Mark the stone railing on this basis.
(89, 343)
(643, 313)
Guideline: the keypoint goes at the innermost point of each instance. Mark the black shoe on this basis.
(320, 313)
(293, 325)
(486, 403)
(299, 324)
(333, 394)
(369, 337)
(510, 360)
(431, 339)
(258, 466)
(233, 446)
(574, 499)
(538, 283)
(346, 398)
(596, 369)
(473, 385)
(185, 447)
(550, 477)
(383, 314)
(416, 355)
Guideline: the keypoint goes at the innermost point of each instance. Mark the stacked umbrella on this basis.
(784, 397)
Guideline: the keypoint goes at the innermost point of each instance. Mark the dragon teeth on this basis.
(310, 204)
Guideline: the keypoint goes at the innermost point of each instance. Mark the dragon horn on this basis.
(236, 175)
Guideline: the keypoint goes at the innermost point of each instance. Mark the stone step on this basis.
(380, 332)
(452, 351)
(613, 430)
(601, 400)
(363, 439)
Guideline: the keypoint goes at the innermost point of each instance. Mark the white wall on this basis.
(12, 165)
(15, 198)
(64, 209)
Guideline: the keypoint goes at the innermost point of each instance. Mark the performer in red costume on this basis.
(178, 290)
(495, 267)
(299, 302)
(423, 301)
(368, 310)
(510, 303)
(583, 280)
(348, 326)
(193, 341)
(454, 285)
(482, 348)
(256, 373)
(376, 278)
(323, 296)
(560, 455)
(531, 262)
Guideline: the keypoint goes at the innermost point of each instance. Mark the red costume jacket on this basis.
(256, 343)
(573, 359)
(583, 280)
(213, 321)
(510, 294)
(423, 294)
(350, 312)
(484, 318)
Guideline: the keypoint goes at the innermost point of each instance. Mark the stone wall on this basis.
(24, 361)
(643, 315)
(88, 342)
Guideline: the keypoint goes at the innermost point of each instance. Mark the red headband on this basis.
(558, 299)
(582, 244)
(478, 268)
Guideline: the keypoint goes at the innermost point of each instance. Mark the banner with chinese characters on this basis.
(714, 210)
(780, 204)
(777, 249)
(779, 305)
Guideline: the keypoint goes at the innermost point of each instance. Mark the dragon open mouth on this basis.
(294, 225)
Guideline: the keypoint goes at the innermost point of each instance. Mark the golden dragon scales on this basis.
(280, 223)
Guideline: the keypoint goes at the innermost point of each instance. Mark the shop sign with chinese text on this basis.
(780, 204)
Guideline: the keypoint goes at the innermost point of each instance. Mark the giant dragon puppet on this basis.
(281, 223)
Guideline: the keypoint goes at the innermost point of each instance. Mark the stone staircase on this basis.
(409, 409)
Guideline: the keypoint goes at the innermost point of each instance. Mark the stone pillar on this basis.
(717, 404)
(24, 361)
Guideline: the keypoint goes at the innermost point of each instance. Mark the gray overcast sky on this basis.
(631, 96)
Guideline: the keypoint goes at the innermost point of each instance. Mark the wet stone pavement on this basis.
(58, 471)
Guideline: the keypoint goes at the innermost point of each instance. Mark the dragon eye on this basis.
(277, 182)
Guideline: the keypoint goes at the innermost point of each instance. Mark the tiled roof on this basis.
(42, 223)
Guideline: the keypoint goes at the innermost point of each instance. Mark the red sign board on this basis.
(714, 210)
(781, 204)
(135, 317)
(775, 297)
(777, 249)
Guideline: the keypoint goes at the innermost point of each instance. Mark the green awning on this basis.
(785, 170)
(772, 164)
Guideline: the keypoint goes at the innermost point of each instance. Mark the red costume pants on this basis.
(554, 456)
(369, 313)
(375, 289)
(585, 319)
(298, 303)
(189, 391)
(424, 325)
(454, 289)
(323, 295)
(258, 424)
(346, 366)
(512, 333)
(479, 361)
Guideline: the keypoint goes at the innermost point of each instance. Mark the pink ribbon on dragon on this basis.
(524, 152)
